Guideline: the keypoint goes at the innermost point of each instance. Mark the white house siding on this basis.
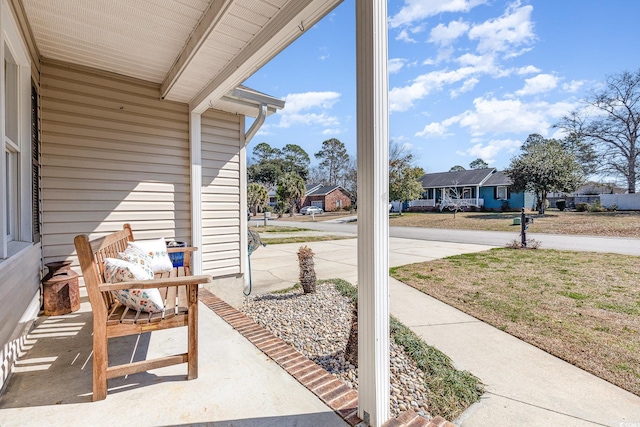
(20, 273)
(221, 207)
(20, 302)
(112, 153)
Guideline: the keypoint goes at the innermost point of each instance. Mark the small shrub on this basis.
(561, 204)
(596, 206)
(582, 207)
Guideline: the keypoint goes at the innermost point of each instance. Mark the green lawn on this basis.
(581, 307)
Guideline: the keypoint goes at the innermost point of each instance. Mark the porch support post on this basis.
(195, 149)
(373, 211)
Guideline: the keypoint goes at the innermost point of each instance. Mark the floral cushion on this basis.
(137, 257)
(117, 271)
(157, 251)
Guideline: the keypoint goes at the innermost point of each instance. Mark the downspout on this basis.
(257, 124)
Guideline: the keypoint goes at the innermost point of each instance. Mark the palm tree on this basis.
(290, 189)
(257, 197)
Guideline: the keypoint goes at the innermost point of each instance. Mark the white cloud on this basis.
(395, 65)
(404, 36)
(324, 120)
(491, 149)
(309, 108)
(538, 84)
(416, 10)
(468, 85)
(332, 132)
(433, 130)
(496, 116)
(529, 69)
(296, 102)
(573, 86)
(444, 35)
(513, 29)
(402, 98)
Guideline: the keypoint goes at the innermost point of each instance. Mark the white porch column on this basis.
(373, 211)
(195, 149)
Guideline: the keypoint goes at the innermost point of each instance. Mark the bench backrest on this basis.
(91, 255)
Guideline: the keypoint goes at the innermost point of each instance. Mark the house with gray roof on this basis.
(485, 188)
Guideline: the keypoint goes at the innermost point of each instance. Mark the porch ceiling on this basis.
(198, 50)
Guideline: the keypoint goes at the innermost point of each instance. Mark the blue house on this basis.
(486, 189)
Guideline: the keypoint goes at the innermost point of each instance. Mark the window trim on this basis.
(19, 214)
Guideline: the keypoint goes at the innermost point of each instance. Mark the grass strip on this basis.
(450, 391)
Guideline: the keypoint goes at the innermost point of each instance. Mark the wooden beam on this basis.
(210, 19)
(373, 211)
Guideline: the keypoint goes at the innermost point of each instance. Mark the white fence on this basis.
(624, 202)
(423, 203)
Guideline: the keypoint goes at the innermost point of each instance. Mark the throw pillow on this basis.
(137, 257)
(117, 271)
(157, 250)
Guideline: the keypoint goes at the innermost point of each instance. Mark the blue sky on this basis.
(467, 78)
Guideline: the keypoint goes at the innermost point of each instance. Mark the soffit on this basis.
(150, 39)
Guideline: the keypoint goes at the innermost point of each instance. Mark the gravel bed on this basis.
(318, 326)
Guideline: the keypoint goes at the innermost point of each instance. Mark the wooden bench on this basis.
(178, 288)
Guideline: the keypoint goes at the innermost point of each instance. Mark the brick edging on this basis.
(342, 399)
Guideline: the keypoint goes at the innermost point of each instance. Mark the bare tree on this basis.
(453, 200)
(610, 122)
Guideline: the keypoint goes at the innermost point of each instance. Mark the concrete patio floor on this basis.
(238, 385)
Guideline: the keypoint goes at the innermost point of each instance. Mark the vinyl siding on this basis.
(112, 152)
(221, 208)
(19, 285)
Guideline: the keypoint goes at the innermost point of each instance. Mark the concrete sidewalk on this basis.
(525, 386)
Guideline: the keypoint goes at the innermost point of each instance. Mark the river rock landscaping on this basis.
(318, 326)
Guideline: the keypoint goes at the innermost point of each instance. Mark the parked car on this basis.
(308, 210)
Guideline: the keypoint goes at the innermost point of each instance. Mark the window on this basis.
(501, 193)
(15, 138)
(338, 203)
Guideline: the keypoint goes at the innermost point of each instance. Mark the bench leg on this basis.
(100, 363)
(192, 364)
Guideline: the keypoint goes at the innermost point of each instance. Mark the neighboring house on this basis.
(132, 112)
(476, 188)
(327, 197)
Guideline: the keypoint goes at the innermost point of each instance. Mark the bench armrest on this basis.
(178, 249)
(155, 283)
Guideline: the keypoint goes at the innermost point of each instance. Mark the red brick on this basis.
(313, 376)
(304, 365)
(293, 361)
(333, 384)
(393, 423)
(320, 381)
(407, 416)
(299, 375)
(347, 400)
(335, 393)
(285, 355)
(353, 419)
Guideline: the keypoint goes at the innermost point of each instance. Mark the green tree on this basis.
(333, 159)
(257, 197)
(457, 168)
(269, 164)
(609, 125)
(544, 166)
(404, 177)
(478, 164)
(290, 190)
(295, 159)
